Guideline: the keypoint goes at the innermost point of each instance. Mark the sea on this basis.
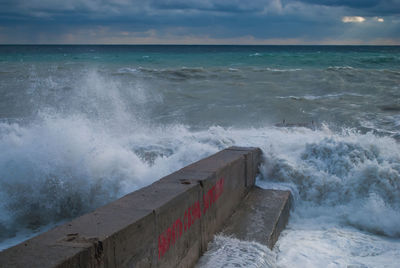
(82, 125)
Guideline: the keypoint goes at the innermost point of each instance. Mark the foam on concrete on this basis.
(166, 224)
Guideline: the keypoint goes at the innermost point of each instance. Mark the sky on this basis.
(363, 22)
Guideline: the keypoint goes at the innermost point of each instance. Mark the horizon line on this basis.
(168, 44)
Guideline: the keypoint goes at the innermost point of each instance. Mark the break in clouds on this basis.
(201, 21)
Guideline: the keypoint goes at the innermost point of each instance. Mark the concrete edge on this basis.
(168, 223)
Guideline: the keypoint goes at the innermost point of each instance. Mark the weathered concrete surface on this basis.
(253, 157)
(261, 216)
(228, 164)
(166, 224)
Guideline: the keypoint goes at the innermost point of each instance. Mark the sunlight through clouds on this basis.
(357, 19)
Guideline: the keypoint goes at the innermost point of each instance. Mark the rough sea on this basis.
(81, 126)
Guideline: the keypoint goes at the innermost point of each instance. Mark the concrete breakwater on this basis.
(166, 224)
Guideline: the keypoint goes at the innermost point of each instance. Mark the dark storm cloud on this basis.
(372, 7)
(217, 6)
(99, 21)
(352, 4)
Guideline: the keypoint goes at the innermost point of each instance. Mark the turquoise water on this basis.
(369, 57)
(80, 126)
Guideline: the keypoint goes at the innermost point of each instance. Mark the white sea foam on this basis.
(318, 246)
(233, 70)
(86, 154)
(96, 143)
(346, 183)
(326, 96)
(340, 68)
(231, 252)
(257, 69)
(347, 200)
(128, 70)
(283, 70)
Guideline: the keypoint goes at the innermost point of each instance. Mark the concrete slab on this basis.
(235, 169)
(166, 224)
(84, 241)
(253, 158)
(178, 227)
(260, 217)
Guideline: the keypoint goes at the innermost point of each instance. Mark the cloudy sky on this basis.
(200, 21)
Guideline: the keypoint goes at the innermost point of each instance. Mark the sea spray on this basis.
(59, 168)
(346, 190)
(325, 170)
(357, 173)
(82, 125)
